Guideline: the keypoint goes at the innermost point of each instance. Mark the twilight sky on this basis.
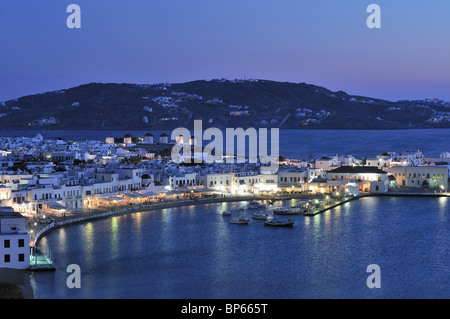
(325, 43)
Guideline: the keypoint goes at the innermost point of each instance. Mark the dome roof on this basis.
(146, 176)
(148, 134)
(128, 135)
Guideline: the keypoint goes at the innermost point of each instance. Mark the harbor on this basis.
(193, 251)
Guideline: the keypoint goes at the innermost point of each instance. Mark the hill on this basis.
(219, 103)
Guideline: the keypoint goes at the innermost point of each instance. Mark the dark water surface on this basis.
(194, 252)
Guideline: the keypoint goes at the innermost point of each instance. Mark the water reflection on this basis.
(114, 236)
(137, 229)
(88, 242)
(62, 235)
(443, 207)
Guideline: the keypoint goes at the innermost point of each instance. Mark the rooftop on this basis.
(8, 212)
(358, 170)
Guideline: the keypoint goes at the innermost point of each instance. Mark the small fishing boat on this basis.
(226, 213)
(288, 211)
(254, 204)
(279, 223)
(241, 221)
(260, 216)
(302, 204)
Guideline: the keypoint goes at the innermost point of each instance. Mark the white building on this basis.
(421, 176)
(367, 179)
(14, 240)
(327, 163)
(178, 180)
(5, 196)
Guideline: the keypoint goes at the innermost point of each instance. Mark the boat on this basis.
(260, 216)
(255, 204)
(302, 204)
(241, 221)
(226, 213)
(288, 211)
(279, 223)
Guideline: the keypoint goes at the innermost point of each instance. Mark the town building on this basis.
(421, 176)
(368, 179)
(14, 240)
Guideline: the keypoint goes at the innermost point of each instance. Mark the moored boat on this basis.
(255, 204)
(279, 223)
(260, 216)
(226, 213)
(288, 211)
(241, 221)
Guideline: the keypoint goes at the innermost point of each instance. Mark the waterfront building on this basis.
(14, 240)
(368, 179)
(182, 179)
(222, 182)
(291, 178)
(421, 176)
(266, 183)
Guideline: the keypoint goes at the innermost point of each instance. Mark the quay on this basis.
(324, 208)
(387, 194)
(40, 261)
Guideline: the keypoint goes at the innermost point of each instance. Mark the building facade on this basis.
(421, 176)
(14, 240)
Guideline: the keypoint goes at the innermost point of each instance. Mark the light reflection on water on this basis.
(194, 252)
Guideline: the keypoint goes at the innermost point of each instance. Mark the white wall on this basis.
(14, 251)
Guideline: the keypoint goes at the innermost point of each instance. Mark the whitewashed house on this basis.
(14, 240)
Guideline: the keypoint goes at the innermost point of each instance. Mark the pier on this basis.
(387, 194)
(40, 261)
(324, 208)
